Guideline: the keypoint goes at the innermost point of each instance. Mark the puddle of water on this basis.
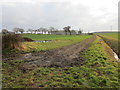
(43, 41)
(116, 57)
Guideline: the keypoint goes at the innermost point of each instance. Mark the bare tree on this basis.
(21, 30)
(30, 30)
(39, 30)
(48, 32)
(80, 31)
(16, 30)
(36, 30)
(73, 32)
(43, 30)
(67, 29)
(52, 29)
(5, 31)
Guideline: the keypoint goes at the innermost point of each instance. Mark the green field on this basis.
(54, 37)
(99, 70)
(110, 35)
(57, 41)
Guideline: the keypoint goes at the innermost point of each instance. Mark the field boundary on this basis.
(113, 44)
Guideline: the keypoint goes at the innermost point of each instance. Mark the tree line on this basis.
(50, 30)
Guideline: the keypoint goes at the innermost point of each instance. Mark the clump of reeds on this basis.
(12, 41)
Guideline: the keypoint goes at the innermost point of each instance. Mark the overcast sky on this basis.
(90, 15)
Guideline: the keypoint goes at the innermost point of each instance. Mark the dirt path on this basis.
(67, 56)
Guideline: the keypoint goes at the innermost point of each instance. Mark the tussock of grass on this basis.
(12, 41)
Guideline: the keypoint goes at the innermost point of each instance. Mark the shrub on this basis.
(12, 41)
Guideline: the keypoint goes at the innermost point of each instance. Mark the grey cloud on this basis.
(54, 14)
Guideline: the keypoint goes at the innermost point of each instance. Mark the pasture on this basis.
(110, 35)
(76, 61)
(55, 37)
(57, 41)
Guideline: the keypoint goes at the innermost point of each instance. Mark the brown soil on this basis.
(67, 56)
(27, 39)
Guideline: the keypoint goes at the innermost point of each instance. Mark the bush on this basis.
(12, 41)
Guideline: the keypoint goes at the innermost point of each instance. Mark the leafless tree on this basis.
(16, 30)
(43, 30)
(21, 30)
(39, 30)
(30, 30)
(52, 29)
(5, 31)
(36, 30)
(73, 32)
(67, 29)
(80, 31)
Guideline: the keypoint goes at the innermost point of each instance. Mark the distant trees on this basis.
(90, 33)
(5, 31)
(51, 30)
(30, 30)
(73, 32)
(35, 31)
(67, 29)
(43, 30)
(80, 31)
(16, 30)
(21, 30)
(38, 31)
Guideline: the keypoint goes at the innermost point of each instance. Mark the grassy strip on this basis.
(113, 40)
(102, 63)
(96, 72)
(113, 43)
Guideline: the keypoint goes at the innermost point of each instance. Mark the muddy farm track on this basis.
(67, 56)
